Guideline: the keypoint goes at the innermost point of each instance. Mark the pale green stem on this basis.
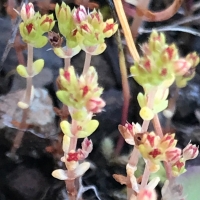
(67, 63)
(29, 80)
(20, 134)
(88, 58)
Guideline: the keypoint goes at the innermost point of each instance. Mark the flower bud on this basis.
(110, 28)
(178, 168)
(170, 53)
(173, 155)
(190, 152)
(168, 141)
(87, 145)
(156, 41)
(95, 104)
(86, 28)
(47, 23)
(96, 18)
(80, 14)
(27, 11)
(193, 59)
(181, 67)
(63, 13)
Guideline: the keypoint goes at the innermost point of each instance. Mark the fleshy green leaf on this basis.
(161, 106)
(66, 143)
(141, 100)
(40, 42)
(63, 96)
(89, 128)
(65, 127)
(22, 71)
(38, 66)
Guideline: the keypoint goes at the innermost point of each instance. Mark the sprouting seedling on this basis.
(80, 94)
(32, 28)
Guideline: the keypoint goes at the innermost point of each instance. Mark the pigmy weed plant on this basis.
(159, 66)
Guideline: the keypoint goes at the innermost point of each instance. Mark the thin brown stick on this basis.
(126, 30)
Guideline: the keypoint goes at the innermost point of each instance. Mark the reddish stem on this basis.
(126, 95)
(158, 130)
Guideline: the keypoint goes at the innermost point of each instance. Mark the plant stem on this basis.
(126, 92)
(126, 29)
(135, 153)
(157, 126)
(29, 79)
(158, 129)
(145, 176)
(88, 58)
(73, 143)
(28, 92)
(142, 4)
(67, 63)
(20, 134)
(71, 190)
(70, 184)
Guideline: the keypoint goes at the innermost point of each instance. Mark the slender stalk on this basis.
(67, 63)
(29, 80)
(126, 30)
(142, 4)
(145, 125)
(145, 176)
(71, 189)
(157, 126)
(133, 161)
(126, 91)
(129, 192)
(73, 143)
(20, 133)
(70, 184)
(88, 58)
(158, 129)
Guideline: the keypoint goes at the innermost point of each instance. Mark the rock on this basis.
(41, 115)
